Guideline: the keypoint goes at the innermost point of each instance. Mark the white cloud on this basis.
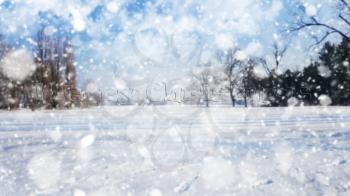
(254, 48)
(241, 55)
(113, 6)
(224, 41)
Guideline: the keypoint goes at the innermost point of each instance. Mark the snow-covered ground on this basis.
(176, 150)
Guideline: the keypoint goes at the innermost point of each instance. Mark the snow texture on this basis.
(17, 65)
(170, 150)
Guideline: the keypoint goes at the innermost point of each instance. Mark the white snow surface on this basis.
(176, 150)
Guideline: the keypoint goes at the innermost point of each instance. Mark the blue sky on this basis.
(138, 39)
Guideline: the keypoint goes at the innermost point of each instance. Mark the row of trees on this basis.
(231, 78)
(53, 83)
(328, 76)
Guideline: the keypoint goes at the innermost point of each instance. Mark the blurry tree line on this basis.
(234, 78)
(328, 76)
(53, 83)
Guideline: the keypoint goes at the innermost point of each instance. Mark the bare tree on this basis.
(230, 62)
(246, 85)
(279, 51)
(207, 82)
(56, 71)
(46, 73)
(272, 84)
(73, 93)
(342, 17)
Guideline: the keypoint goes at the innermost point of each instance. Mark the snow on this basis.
(218, 173)
(325, 100)
(185, 150)
(91, 88)
(136, 52)
(87, 141)
(50, 30)
(240, 55)
(310, 10)
(56, 135)
(113, 6)
(17, 65)
(224, 41)
(78, 21)
(151, 43)
(120, 84)
(44, 170)
(293, 101)
(78, 192)
(324, 71)
(155, 192)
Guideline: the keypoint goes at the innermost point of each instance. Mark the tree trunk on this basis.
(233, 98)
(206, 100)
(245, 94)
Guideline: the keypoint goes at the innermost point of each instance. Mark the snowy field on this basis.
(174, 150)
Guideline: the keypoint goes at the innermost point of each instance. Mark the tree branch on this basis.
(344, 19)
(346, 4)
(315, 22)
(322, 39)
